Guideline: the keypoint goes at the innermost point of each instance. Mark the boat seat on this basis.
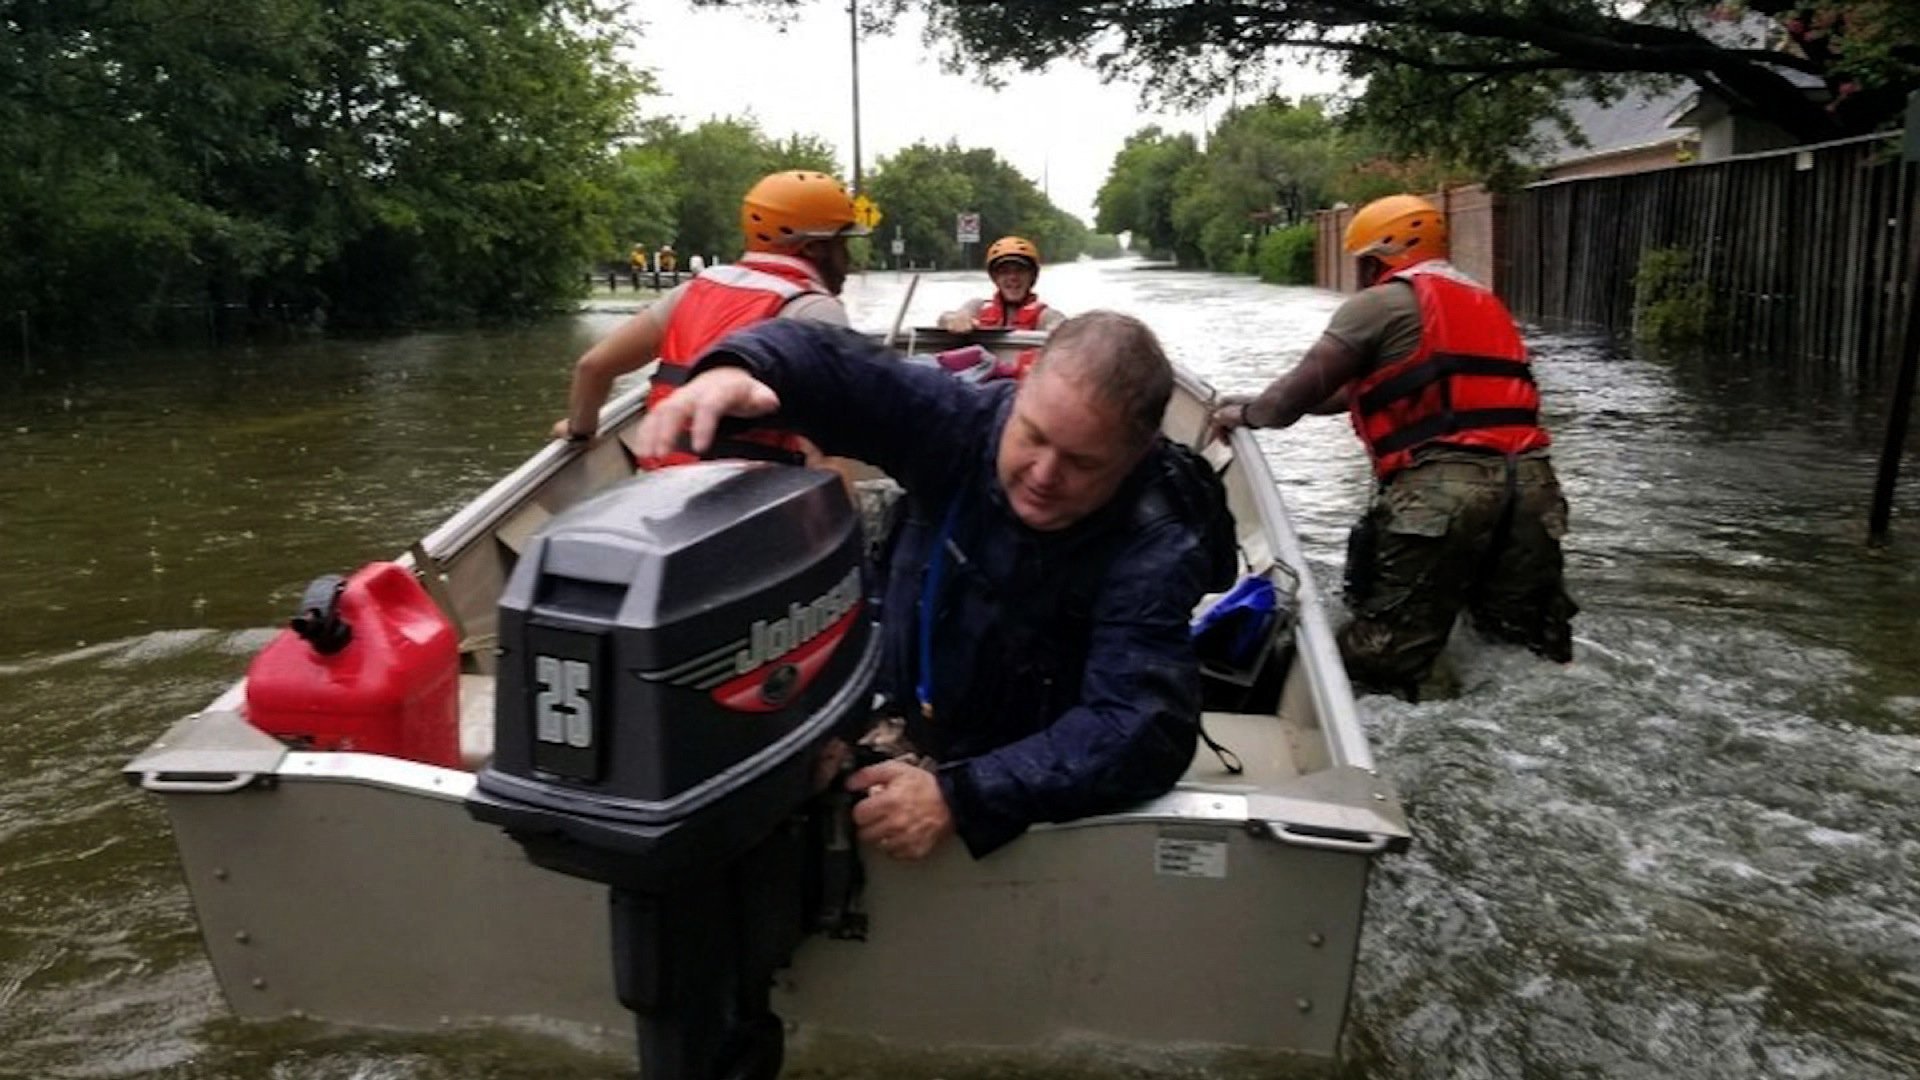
(476, 720)
(1263, 742)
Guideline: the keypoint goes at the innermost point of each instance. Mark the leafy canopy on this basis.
(378, 161)
(1463, 79)
(922, 187)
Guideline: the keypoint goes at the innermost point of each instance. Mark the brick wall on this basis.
(1474, 219)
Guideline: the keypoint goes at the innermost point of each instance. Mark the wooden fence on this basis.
(1807, 253)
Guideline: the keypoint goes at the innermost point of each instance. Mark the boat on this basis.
(1223, 918)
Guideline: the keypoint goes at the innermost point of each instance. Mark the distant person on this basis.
(695, 264)
(1038, 592)
(795, 225)
(668, 263)
(1467, 513)
(636, 263)
(1013, 264)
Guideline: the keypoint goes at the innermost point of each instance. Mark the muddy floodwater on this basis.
(1693, 852)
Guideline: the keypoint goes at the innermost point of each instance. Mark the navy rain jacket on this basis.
(1065, 682)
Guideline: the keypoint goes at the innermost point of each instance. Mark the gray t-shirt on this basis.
(1381, 324)
(818, 307)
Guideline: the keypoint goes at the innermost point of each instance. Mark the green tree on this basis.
(1467, 79)
(1278, 157)
(715, 164)
(919, 190)
(376, 160)
(922, 187)
(1265, 165)
(644, 195)
(1141, 188)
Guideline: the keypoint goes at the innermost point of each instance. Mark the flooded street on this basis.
(1693, 852)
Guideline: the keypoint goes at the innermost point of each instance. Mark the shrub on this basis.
(1285, 256)
(1672, 305)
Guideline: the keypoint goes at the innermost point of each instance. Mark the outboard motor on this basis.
(674, 653)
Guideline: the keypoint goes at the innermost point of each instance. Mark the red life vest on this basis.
(1468, 384)
(718, 301)
(993, 314)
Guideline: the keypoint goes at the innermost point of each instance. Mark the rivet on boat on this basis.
(1379, 797)
(1316, 939)
(1304, 1005)
(219, 873)
(259, 983)
(242, 936)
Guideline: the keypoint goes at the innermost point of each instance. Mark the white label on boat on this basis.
(1177, 857)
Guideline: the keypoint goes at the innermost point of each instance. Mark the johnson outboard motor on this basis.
(673, 654)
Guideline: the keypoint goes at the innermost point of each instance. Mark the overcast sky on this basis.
(1060, 127)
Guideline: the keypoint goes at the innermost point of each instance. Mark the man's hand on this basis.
(563, 431)
(956, 322)
(698, 407)
(1230, 414)
(904, 813)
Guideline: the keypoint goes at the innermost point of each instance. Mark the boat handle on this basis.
(1369, 845)
(197, 783)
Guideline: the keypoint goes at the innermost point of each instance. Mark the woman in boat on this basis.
(796, 225)
(1013, 264)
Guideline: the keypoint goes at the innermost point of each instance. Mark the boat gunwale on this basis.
(1327, 682)
(1336, 713)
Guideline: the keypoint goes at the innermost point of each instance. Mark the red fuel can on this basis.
(369, 665)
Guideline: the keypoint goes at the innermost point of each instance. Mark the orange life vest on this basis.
(993, 314)
(718, 301)
(1468, 384)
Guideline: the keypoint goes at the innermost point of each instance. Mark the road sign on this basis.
(865, 212)
(966, 228)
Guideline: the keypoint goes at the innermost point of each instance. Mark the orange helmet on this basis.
(787, 209)
(1013, 247)
(1399, 230)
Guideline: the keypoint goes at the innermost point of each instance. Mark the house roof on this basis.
(1643, 116)
(1657, 112)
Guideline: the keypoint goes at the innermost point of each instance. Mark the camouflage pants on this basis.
(1456, 531)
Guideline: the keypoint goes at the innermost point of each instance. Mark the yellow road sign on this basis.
(865, 212)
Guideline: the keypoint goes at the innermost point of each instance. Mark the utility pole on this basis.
(1880, 516)
(853, 29)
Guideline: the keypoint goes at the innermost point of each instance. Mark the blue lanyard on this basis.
(930, 585)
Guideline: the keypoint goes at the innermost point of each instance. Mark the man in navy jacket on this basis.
(1037, 597)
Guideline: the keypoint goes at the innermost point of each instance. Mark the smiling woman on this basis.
(1013, 265)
